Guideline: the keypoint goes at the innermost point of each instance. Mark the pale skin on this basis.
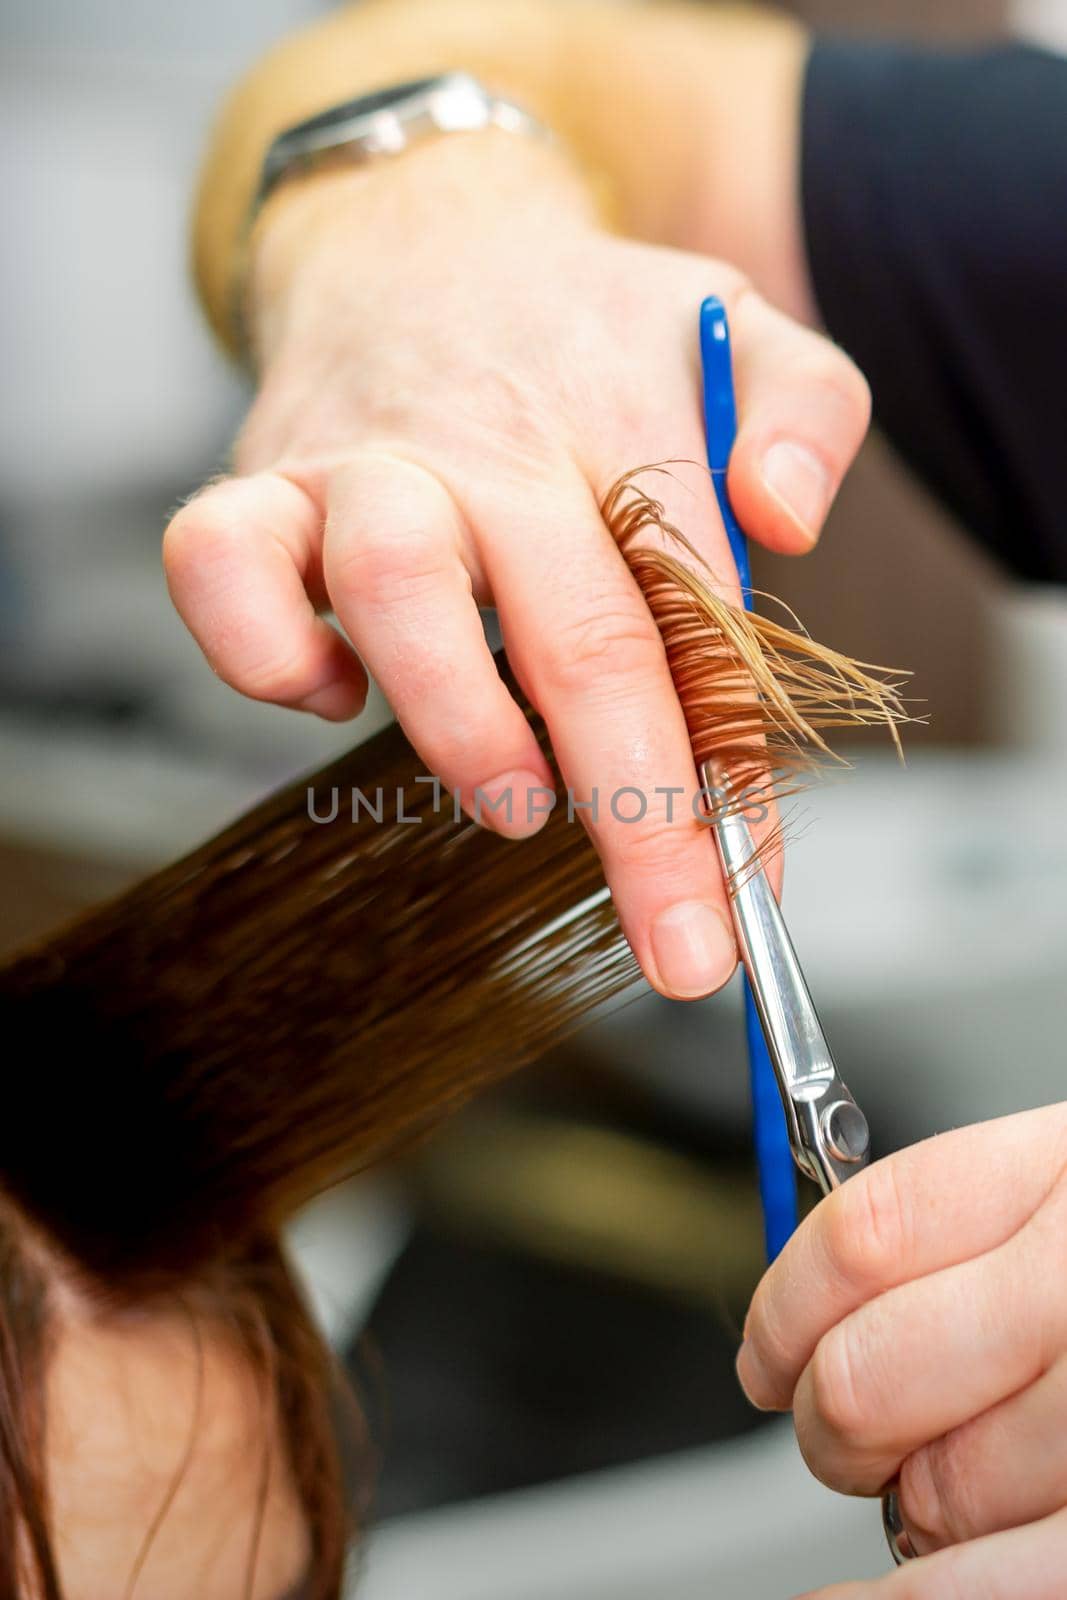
(457, 358)
(438, 419)
(917, 1328)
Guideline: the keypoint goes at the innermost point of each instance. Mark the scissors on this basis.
(828, 1133)
(829, 1137)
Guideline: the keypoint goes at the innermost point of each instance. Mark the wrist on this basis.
(532, 52)
(361, 217)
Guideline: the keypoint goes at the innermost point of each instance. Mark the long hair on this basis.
(320, 983)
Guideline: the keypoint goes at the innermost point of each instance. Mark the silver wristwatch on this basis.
(387, 123)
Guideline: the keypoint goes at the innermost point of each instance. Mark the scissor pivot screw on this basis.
(845, 1130)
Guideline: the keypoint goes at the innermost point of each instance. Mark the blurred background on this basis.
(541, 1310)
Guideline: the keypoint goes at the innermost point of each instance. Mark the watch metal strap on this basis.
(389, 122)
(384, 123)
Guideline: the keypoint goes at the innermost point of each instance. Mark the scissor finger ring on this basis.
(897, 1536)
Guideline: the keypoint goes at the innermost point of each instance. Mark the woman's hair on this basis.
(248, 1297)
(319, 984)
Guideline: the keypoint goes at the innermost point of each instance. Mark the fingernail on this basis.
(752, 1377)
(516, 805)
(694, 949)
(799, 480)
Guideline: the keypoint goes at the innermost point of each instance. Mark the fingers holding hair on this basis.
(396, 561)
(240, 559)
(586, 648)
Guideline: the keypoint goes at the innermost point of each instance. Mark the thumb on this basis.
(1028, 1563)
(804, 409)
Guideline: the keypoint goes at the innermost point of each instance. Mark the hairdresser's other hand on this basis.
(457, 363)
(1028, 1563)
(917, 1326)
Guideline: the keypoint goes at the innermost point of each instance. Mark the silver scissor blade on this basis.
(827, 1130)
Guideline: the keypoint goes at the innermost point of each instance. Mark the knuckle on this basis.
(278, 679)
(939, 1491)
(843, 381)
(869, 1228)
(195, 536)
(384, 570)
(211, 536)
(462, 752)
(856, 392)
(648, 844)
(605, 648)
(860, 391)
(740, 293)
(770, 1338)
(839, 1393)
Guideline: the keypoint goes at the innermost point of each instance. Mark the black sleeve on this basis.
(934, 191)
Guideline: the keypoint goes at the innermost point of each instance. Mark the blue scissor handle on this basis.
(774, 1155)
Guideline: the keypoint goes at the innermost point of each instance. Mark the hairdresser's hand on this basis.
(917, 1326)
(1026, 1564)
(457, 364)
